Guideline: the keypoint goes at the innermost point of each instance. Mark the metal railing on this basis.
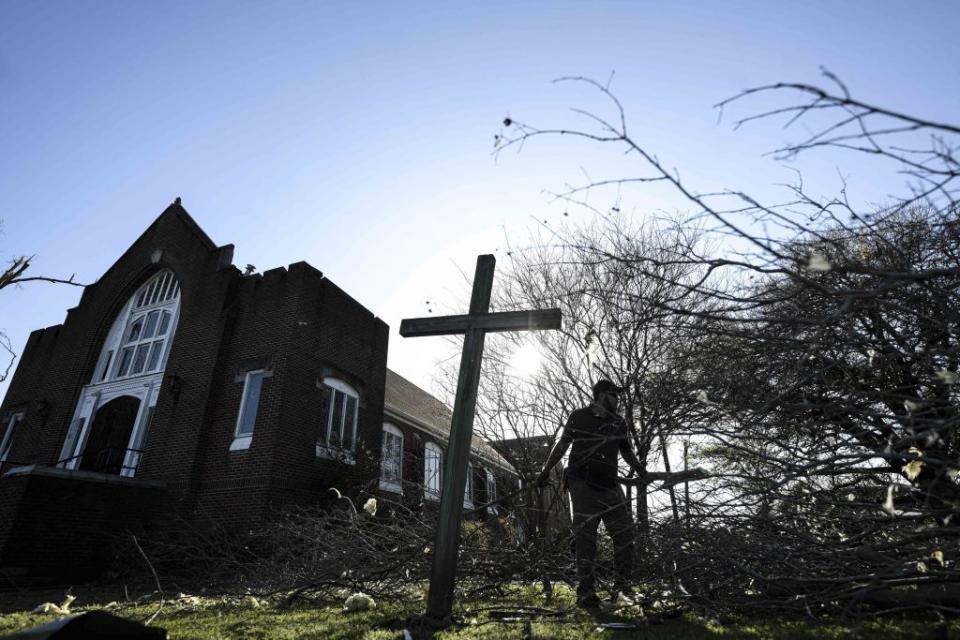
(109, 460)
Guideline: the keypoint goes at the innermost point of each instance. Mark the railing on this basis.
(109, 460)
(6, 465)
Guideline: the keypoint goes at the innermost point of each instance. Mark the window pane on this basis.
(151, 324)
(337, 415)
(140, 359)
(431, 472)
(106, 367)
(7, 439)
(146, 298)
(134, 334)
(164, 323)
(326, 407)
(164, 283)
(350, 423)
(249, 404)
(392, 456)
(155, 288)
(125, 357)
(155, 350)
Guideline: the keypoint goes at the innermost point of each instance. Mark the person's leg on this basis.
(619, 524)
(586, 519)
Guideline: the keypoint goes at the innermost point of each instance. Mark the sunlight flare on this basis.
(525, 362)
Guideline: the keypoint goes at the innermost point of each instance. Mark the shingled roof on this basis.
(408, 402)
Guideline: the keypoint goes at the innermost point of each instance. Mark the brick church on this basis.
(180, 385)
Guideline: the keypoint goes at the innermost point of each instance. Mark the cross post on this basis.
(474, 326)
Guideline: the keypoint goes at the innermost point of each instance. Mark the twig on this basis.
(156, 579)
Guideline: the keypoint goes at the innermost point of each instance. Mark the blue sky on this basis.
(358, 136)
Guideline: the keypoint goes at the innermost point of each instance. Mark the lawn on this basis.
(228, 617)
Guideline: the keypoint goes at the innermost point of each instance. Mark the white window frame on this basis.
(160, 294)
(242, 441)
(491, 492)
(145, 389)
(394, 485)
(468, 488)
(7, 443)
(323, 447)
(432, 451)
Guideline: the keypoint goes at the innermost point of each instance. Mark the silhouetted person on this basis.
(599, 436)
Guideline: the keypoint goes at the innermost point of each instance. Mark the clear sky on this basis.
(358, 135)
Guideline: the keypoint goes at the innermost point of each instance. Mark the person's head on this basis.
(607, 395)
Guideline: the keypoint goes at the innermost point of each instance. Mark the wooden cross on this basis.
(474, 325)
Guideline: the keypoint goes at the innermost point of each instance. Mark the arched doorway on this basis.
(109, 434)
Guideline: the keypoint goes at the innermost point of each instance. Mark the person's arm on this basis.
(631, 458)
(668, 479)
(556, 454)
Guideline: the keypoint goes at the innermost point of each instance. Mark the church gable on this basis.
(59, 362)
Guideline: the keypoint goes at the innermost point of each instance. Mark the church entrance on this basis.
(109, 435)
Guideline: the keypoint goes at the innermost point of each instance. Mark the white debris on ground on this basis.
(251, 601)
(185, 600)
(48, 607)
(622, 601)
(62, 609)
(359, 602)
(371, 506)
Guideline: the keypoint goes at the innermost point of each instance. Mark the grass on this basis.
(216, 618)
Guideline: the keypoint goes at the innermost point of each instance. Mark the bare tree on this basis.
(821, 359)
(14, 275)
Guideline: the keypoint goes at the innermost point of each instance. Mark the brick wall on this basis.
(69, 528)
(291, 321)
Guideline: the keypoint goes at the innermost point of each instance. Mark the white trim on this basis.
(340, 385)
(145, 388)
(429, 449)
(242, 441)
(131, 460)
(395, 486)
(324, 449)
(132, 313)
(491, 481)
(12, 423)
(444, 436)
(468, 488)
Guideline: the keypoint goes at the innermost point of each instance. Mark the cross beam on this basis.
(474, 326)
(503, 321)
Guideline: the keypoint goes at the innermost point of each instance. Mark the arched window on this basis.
(391, 463)
(432, 463)
(139, 340)
(131, 364)
(337, 435)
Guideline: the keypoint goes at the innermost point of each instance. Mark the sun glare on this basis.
(525, 361)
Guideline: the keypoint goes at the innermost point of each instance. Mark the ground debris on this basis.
(359, 601)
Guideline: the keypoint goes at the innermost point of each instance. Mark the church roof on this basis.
(409, 402)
